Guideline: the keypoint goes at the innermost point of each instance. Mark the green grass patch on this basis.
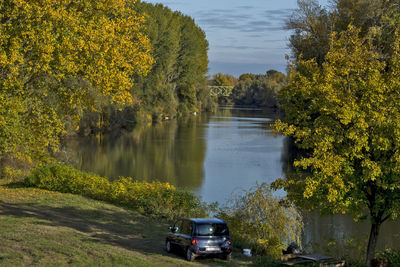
(45, 228)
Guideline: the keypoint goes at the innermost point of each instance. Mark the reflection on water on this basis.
(215, 155)
(169, 152)
(321, 232)
(241, 151)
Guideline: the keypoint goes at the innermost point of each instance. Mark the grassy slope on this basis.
(44, 228)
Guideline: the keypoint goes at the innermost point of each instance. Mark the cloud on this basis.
(246, 7)
(285, 12)
(243, 19)
(240, 47)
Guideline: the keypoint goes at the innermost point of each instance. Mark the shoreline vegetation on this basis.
(62, 215)
(257, 219)
(258, 90)
(81, 219)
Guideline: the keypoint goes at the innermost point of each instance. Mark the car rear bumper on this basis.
(211, 250)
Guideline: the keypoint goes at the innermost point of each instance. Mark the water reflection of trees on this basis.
(171, 151)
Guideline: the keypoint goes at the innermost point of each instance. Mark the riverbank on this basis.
(47, 228)
(44, 228)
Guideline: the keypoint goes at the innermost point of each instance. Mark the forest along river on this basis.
(217, 155)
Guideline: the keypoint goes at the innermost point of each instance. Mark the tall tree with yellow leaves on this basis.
(56, 58)
(346, 114)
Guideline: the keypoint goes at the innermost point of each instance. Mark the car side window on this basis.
(187, 227)
(191, 226)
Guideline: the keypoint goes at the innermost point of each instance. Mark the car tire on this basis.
(189, 255)
(168, 246)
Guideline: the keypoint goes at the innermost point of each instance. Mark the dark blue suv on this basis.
(198, 237)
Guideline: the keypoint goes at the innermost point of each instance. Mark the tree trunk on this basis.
(373, 238)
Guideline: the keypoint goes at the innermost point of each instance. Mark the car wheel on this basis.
(168, 246)
(189, 255)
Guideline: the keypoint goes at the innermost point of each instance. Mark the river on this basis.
(217, 155)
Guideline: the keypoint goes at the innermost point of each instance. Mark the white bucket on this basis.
(247, 252)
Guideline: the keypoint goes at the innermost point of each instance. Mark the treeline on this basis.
(87, 66)
(259, 90)
(177, 82)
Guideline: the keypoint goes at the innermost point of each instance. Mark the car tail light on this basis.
(194, 241)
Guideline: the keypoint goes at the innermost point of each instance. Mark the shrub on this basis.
(66, 179)
(391, 256)
(262, 222)
(155, 198)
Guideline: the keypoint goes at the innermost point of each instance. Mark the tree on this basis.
(220, 79)
(259, 90)
(178, 77)
(246, 77)
(176, 83)
(346, 115)
(58, 58)
(260, 221)
(312, 25)
(157, 91)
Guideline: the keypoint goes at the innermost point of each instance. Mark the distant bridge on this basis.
(221, 91)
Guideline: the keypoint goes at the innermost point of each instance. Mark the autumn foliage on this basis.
(56, 59)
(345, 116)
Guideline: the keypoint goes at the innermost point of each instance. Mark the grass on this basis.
(44, 228)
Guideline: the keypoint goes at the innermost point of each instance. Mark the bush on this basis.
(155, 198)
(66, 179)
(391, 256)
(262, 222)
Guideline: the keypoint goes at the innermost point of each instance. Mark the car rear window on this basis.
(212, 229)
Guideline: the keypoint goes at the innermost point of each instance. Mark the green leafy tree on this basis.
(58, 58)
(220, 79)
(259, 90)
(177, 81)
(157, 91)
(346, 115)
(246, 77)
(192, 65)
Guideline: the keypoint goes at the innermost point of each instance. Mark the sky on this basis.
(245, 36)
